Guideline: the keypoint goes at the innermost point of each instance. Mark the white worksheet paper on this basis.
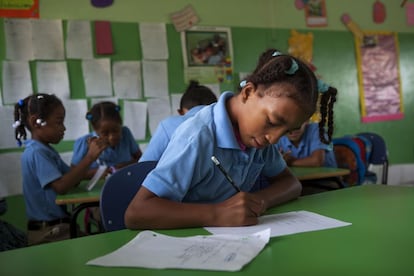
(284, 224)
(213, 252)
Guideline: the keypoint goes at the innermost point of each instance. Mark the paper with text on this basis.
(284, 224)
(214, 252)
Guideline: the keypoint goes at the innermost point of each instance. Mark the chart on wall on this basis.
(379, 77)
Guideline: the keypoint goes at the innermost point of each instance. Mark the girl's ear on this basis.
(247, 91)
(32, 121)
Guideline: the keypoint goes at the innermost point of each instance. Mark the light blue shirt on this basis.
(41, 165)
(185, 172)
(309, 142)
(111, 156)
(163, 133)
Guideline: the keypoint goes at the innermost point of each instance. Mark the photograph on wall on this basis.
(207, 54)
(315, 13)
(206, 46)
(379, 77)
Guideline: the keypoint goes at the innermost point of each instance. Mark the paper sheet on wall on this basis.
(11, 174)
(79, 39)
(214, 252)
(18, 36)
(135, 118)
(127, 79)
(284, 224)
(155, 77)
(7, 139)
(97, 76)
(153, 41)
(103, 99)
(75, 122)
(52, 78)
(175, 103)
(17, 81)
(47, 39)
(158, 109)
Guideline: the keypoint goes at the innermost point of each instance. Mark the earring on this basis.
(40, 122)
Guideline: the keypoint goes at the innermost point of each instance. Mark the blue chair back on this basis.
(118, 191)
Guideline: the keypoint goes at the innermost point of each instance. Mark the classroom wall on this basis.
(255, 26)
(266, 23)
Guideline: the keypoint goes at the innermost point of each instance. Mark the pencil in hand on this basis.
(228, 177)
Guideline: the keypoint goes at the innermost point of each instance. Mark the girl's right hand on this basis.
(240, 210)
(95, 146)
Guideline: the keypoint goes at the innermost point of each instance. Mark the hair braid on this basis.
(326, 109)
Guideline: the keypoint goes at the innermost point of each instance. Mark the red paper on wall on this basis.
(103, 38)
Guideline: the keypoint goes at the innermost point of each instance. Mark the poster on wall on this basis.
(379, 77)
(20, 8)
(207, 53)
(315, 13)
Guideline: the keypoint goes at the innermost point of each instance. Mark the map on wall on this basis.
(379, 77)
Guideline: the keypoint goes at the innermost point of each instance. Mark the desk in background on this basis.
(379, 242)
(312, 173)
(80, 198)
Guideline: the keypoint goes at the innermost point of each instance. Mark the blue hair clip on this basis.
(243, 83)
(88, 116)
(118, 108)
(322, 86)
(293, 68)
(20, 102)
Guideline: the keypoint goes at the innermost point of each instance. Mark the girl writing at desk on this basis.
(106, 122)
(187, 189)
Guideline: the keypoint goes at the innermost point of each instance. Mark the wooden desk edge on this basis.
(77, 200)
(324, 175)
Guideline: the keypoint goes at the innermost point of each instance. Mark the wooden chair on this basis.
(119, 190)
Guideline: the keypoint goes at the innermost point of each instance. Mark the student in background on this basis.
(195, 98)
(303, 148)
(186, 189)
(106, 122)
(45, 174)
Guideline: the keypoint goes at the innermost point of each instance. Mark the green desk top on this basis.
(81, 195)
(380, 241)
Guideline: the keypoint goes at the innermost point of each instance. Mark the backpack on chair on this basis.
(348, 156)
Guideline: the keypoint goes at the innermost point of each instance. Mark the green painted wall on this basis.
(256, 25)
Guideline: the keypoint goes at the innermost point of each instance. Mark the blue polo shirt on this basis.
(309, 143)
(111, 156)
(41, 165)
(185, 172)
(163, 133)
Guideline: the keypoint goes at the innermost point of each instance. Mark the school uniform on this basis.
(309, 142)
(41, 165)
(163, 133)
(111, 156)
(185, 172)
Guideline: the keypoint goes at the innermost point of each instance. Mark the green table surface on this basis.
(380, 241)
